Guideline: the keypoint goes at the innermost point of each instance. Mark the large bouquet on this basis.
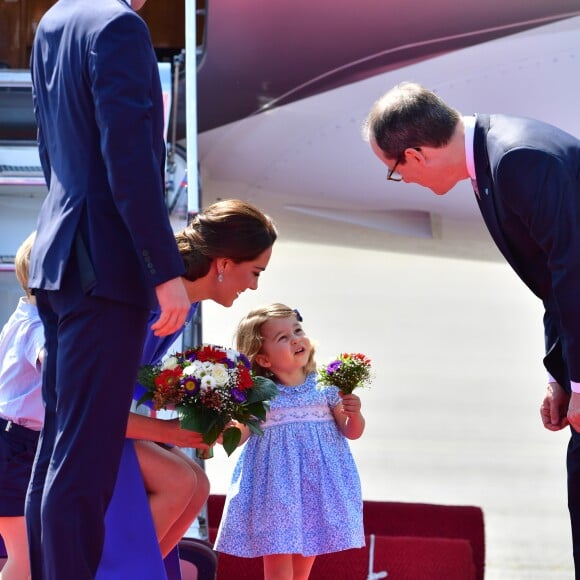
(209, 386)
(347, 371)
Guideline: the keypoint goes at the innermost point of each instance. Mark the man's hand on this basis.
(554, 410)
(174, 305)
(574, 411)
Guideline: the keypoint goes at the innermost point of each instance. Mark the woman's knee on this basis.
(184, 480)
(203, 484)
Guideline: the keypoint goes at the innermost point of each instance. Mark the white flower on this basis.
(207, 382)
(192, 370)
(220, 374)
(169, 363)
(206, 367)
(232, 354)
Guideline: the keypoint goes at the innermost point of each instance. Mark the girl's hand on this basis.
(351, 404)
(348, 416)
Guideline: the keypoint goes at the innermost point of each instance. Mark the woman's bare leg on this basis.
(198, 499)
(170, 484)
(13, 532)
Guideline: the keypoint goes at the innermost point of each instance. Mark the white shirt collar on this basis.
(469, 128)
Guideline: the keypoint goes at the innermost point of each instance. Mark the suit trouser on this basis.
(573, 466)
(93, 350)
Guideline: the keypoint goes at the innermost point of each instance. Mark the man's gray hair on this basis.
(409, 115)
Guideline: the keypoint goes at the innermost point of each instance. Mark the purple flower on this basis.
(333, 366)
(244, 360)
(191, 385)
(237, 395)
(230, 364)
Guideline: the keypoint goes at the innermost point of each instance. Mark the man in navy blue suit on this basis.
(104, 256)
(526, 175)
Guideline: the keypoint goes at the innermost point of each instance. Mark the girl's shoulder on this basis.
(329, 392)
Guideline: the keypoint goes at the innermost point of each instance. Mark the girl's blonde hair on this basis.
(249, 334)
(22, 261)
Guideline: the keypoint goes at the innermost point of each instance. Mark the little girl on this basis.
(295, 491)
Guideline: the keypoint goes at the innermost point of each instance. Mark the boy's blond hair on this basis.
(22, 261)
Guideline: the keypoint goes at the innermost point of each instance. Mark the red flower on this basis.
(245, 380)
(168, 377)
(209, 353)
(361, 357)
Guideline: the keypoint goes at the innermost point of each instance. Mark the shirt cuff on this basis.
(575, 387)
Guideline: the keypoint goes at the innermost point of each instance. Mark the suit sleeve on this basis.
(127, 109)
(547, 201)
(42, 151)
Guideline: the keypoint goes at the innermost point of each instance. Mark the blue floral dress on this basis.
(296, 489)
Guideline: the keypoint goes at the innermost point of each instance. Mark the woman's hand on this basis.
(233, 423)
(184, 437)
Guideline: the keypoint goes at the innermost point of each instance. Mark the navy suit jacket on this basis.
(98, 105)
(528, 177)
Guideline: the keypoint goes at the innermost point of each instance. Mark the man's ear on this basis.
(263, 361)
(415, 154)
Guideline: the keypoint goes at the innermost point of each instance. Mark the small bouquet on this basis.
(209, 386)
(348, 371)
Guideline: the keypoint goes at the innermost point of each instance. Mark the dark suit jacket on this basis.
(528, 176)
(98, 104)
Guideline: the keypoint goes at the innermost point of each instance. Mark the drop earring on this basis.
(220, 277)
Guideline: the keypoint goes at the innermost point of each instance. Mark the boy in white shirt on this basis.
(21, 416)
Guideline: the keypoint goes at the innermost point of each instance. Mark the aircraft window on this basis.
(17, 122)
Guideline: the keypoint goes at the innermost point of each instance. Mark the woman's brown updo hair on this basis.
(231, 229)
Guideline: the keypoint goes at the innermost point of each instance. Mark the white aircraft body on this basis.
(283, 94)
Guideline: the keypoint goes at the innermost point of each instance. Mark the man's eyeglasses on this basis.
(393, 175)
